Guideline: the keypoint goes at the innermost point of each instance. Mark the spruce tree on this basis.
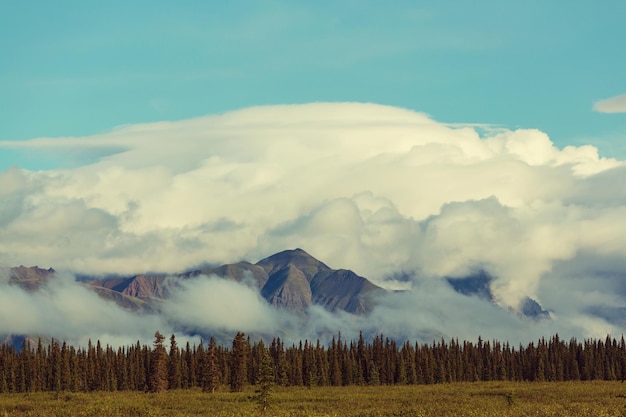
(173, 365)
(158, 365)
(211, 374)
(238, 363)
(65, 368)
(54, 367)
(265, 381)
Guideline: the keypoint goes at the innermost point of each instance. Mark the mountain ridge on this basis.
(292, 280)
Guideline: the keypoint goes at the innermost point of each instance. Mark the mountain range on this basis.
(292, 280)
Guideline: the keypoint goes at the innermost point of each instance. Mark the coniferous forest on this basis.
(381, 361)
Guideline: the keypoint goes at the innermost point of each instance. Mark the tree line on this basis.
(158, 367)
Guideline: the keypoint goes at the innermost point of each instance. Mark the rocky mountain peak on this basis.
(298, 258)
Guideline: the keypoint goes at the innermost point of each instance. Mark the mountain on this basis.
(292, 280)
(288, 287)
(479, 285)
(29, 278)
(294, 274)
(139, 286)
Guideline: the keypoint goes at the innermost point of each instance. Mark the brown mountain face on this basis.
(139, 286)
(344, 290)
(329, 288)
(288, 288)
(292, 280)
(125, 301)
(29, 278)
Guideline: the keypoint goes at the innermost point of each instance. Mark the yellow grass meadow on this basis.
(494, 399)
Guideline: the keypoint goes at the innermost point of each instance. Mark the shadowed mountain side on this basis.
(288, 288)
(479, 285)
(344, 290)
(531, 308)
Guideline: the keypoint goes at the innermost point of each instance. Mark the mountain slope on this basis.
(344, 290)
(298, 258)
(333, 289)
(29, 278)
(292, 280)
(139, 286)
(288, 288)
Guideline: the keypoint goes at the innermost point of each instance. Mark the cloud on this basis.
(215, 303)
(615, 104)
(376, 189)
(67, 310)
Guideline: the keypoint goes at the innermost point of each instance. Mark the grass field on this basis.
(471, 399)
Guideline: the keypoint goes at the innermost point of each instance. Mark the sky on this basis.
(424, 140)
(74, 68)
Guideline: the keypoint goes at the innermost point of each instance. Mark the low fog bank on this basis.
(211, 306)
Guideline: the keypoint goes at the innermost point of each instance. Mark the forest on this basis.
(162, 366)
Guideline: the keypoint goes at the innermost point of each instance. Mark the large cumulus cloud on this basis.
(376, 189)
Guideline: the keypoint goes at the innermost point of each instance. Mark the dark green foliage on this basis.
(210, 368)
(59, 367)
(158, 380)
(173, 365)
(239, 363)
(265, 381)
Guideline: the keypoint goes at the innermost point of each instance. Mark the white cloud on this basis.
(66, 310)
(371, 188)
(615, 104)
(216, 303)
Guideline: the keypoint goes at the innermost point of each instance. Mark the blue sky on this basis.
(76, 68)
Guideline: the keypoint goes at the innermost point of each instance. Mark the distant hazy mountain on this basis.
(479, 285)
(29, 278)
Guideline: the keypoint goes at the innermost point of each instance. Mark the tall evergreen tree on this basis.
(265, 381)
(211, 373)
(238, 363)
(158, 380)
(173, 365)
(65, 368)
